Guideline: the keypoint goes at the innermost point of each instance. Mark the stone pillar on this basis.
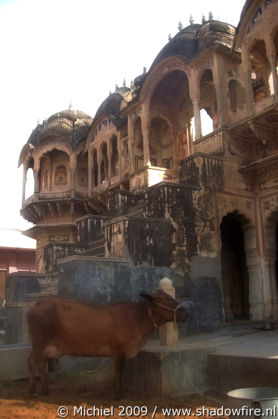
(168, 332)
(146, 134)
(90, 171)
(256, 287)
(51, 176)
(146, 146)
(189, 135)
(109, 156)
(36, 181)
(119, 148)
(99, 159)
(197, 118)
(271, 55)
(247, 68)
(73, 165)
(270, 286)
(272, 61)
(130, 134)
(194, 93)
(25, 169)
(219, 82)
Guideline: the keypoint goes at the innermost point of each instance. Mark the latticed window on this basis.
(61, 175)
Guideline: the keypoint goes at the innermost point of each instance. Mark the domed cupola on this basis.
(214, 32)
(183, 45)
(70, 125)
(113, 105)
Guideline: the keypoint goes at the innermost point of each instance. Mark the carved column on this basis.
(109, 156)
(197, 118)
(194, 93)
(219, 79)
(189, 135)
(130, 134)
(247, 68)
(90, 171)
(99, 159)
(271, 55)
(146, 135)
(119, 148)
(36, 181)
(272, 61)
(25, 169)
(73, 166)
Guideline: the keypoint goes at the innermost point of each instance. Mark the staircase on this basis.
(97, 249)
(137, 210)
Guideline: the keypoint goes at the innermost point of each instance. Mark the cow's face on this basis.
(165, 306)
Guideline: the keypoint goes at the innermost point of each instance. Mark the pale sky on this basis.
(56, 51)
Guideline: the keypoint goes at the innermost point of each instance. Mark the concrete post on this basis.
(168, 332)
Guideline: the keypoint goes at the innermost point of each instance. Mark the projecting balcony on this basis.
(46, 196)
(53, 196)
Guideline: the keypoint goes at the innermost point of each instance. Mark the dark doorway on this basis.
(234, 270)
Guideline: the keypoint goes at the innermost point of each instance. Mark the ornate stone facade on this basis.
(150, 183)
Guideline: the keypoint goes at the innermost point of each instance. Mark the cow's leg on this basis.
(32, 369)
(42, 365)
(119, 366)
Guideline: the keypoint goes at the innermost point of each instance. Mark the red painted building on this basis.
(17, 253)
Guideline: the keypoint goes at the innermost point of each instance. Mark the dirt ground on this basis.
(82, 394)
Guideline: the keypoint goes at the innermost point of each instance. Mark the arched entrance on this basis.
(234, 269)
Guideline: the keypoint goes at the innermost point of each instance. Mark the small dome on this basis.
(114, 104)
(69, 125)
(183, 45)
(194, 38)
(214, 32)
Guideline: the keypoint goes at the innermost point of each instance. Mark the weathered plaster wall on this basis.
(107, 281)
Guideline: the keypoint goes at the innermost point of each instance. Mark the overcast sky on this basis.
(54, 52)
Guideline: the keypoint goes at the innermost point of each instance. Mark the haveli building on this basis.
(141, 187)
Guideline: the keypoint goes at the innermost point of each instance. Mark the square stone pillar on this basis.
(168, 332)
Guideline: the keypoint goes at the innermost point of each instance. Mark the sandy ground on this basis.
(84, 392)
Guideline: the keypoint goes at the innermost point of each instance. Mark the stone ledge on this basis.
(168, 372)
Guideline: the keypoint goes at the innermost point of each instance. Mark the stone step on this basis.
(98, 251)
(137, 210)
(97, 248)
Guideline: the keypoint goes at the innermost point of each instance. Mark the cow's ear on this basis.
(147, 296)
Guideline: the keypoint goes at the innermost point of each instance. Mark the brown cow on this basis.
(64, 327)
